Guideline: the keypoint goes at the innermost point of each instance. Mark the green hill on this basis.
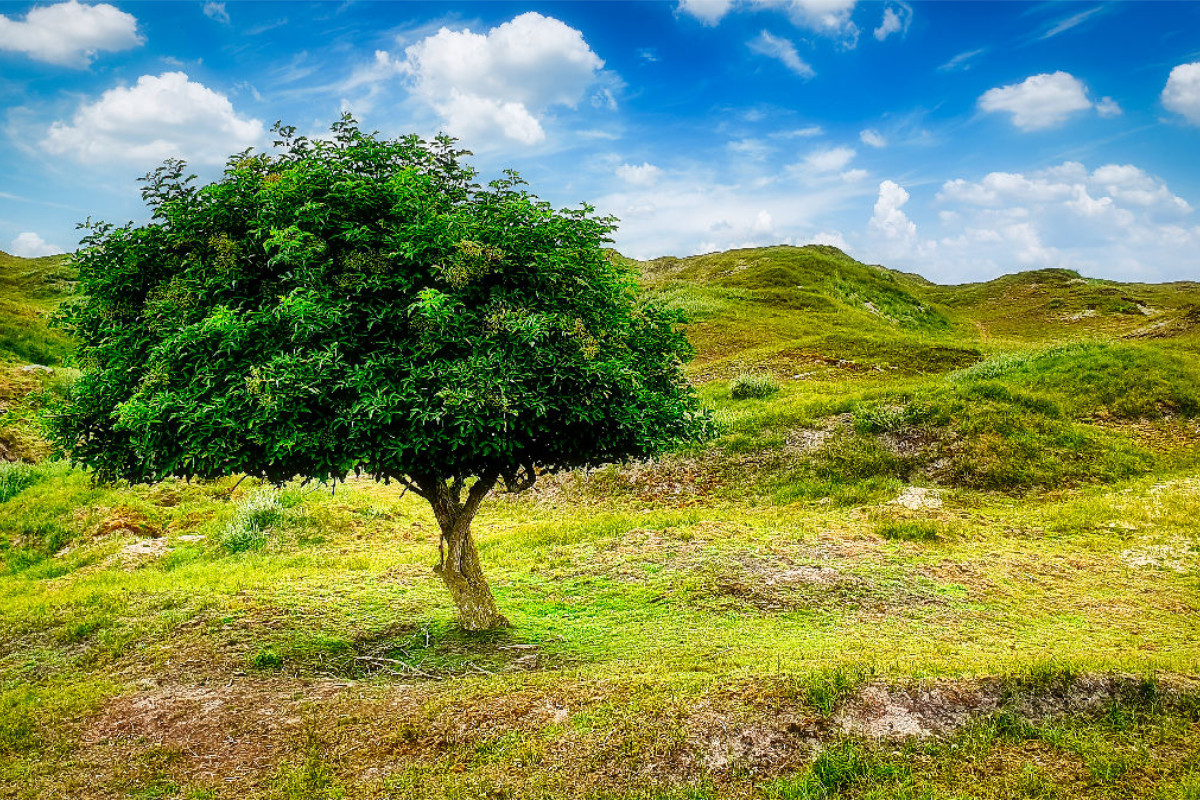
(30, 288)
(942, 547)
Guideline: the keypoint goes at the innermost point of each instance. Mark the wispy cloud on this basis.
(782, 50)
(1066, 24)
(962, 61)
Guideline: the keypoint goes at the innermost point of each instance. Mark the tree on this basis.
(361, 306)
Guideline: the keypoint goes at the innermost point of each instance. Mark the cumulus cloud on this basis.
(644, 174)
(1182, 92)
(216, 11)
(783, 51)
(30, 245)
(1114, 221)
(873, 138)
(706, 207)
(502, 81)
(1040, 101)
(168, 116)
(889, 221)
(69, 34)
(896, 19)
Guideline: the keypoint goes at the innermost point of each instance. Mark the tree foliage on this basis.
(356, 305)
(360, 305)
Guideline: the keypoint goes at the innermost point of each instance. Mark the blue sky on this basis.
(959, 140)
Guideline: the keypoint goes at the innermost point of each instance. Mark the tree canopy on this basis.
(359, 305)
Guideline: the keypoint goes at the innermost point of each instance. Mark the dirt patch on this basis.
(228, 733)
(1178, 555)
(140, 552)
(915, 498)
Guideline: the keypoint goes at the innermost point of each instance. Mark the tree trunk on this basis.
(459, 565)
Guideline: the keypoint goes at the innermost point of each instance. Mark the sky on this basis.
(958, 140)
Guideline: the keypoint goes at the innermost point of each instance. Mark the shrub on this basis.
(252, 521)
(909, 530)
(16, 478)
(756, 387)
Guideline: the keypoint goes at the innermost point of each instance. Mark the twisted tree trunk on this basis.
(459, 562)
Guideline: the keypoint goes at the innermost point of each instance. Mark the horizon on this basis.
(958, 141)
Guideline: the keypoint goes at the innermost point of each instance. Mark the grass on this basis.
(719, 623)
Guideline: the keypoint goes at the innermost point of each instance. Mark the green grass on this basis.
(702, 626)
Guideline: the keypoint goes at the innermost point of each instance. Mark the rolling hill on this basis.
(942, 546)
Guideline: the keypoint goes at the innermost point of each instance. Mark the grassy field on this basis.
(943, 547)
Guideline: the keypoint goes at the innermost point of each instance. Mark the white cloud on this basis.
(889, 221)
(854, 175)
(1112, 186)
(1115, 221)
(962, 61)
(168, 116)
(830, 160)
(214, 10)
(30, 245)
(896, 19)
(873, 138)
(1182, 92)
(69, 34)
(641, 175)
(502, 81)
(704, 207)
(834, 238)
(1040, 101)
(807, 132)
(782, 50)
(707, 11)
(1107, 107)
(828, 17)
(1070, 22)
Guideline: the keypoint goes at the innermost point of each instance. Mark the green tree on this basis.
(361, 306)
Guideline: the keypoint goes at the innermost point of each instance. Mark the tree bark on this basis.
(459, 563)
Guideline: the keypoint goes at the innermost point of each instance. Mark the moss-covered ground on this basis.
(947, 548)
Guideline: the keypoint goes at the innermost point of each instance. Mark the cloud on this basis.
(1070, 22)
(1182, 92)
(873, 138)
(69, 34)
(643, 175)
(1040, 101)
(1107, 107)
(709, 12)
(889, 221)
(1117, 221)
(502, 81)
(782, 50)
(716, 204)
(827, 17)
(806, 132)
(896, 19)
(30, 245)
(168, 116)
(216, 11)
(830, 160)
(962, 61)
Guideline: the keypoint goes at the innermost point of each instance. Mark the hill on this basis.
(942, 547)
(30, 288)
